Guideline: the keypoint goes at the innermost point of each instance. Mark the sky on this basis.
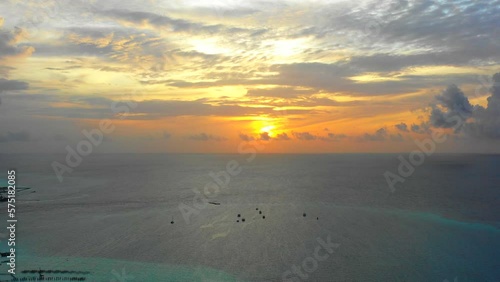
(289, 76)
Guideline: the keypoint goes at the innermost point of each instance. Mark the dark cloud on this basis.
(142, 110)
(4, 70)
(163, 22)
(242, 9)
(318, 78)
(206, 137)
(453, 109)
(93, 100)
(391, 63)
(402, 127)
(9, 43)
(264, 136)
(332, 137)
(158, 21)
(246, 137)
(304, 136)
(447, 33)
(315, 75)
(453, 32)
(420, 128)
(326, 78)
(324, 101)
(282, 137)
(379, 135)
(335, 78)
(280, 92)
(486, 121)
(6, 85)
(196, 108)
(464, 28)
(450, 105)
(130, 50)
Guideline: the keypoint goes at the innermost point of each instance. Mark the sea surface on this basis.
(117, 217)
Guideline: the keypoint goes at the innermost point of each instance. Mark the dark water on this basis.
(112, 215)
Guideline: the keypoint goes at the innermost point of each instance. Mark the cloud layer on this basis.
(373, 72)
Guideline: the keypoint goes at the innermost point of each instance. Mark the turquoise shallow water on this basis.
(435, 245)
(426, 216)
(101, 269)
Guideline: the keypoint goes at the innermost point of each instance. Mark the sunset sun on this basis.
(269, 129)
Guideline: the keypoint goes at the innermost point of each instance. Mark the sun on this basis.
(268, 129)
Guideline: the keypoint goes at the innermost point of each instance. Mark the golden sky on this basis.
(204, 76)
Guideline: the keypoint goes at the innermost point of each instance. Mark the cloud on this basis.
(166, 135)
(151, 20)
(393, 62)
(379, 135)
(452, 109)
(335, 77)
(146, 19)
(20, 136)
(314, 63)
(486, 121)
(450, 105)
(402, 127)
(420, 128)
(123, 49)
(8, 85)
(206, 137)
(232, 9)
(246, 137)
(158, 108)
(323, 78)
(332, 137)
(91, 107)
(304, 136)
(456, 32)
(265, 136)
(282, 137)
(9, 44)
(279, 92)
(4, 70)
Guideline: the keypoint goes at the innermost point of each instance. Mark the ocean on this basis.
(328, 217)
